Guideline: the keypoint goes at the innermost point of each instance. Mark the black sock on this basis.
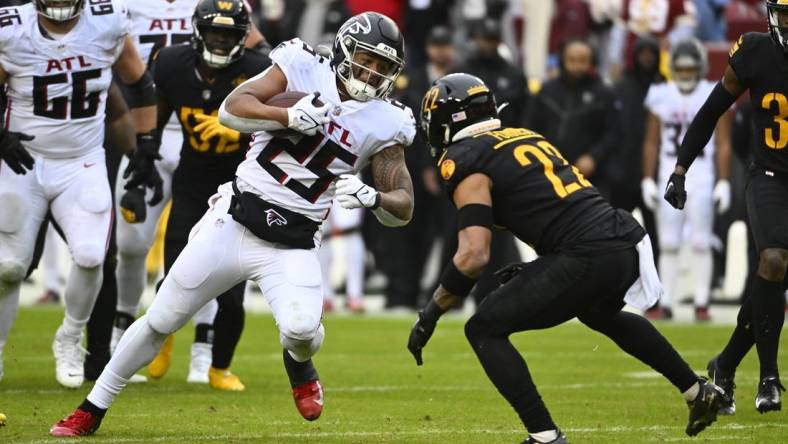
(204, 333)
(123, 320)
(741, 340)
(299, 372)
(91, 408)
(637, 337)
(228, 326)
(508, 371)
(768, 317)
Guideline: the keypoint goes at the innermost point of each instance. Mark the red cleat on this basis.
(702, 314)
(79, 423)
(309, 399)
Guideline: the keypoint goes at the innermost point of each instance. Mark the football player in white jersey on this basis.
(56, 60)
(265, 225)
(154, 25)
(672, 106)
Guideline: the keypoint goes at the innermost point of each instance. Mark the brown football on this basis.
(287, 99)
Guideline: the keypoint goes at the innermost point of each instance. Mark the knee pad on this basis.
(12, 271)
(300, 327)
(88, 255)
(14, 213)
(303, 350)
(165, 322)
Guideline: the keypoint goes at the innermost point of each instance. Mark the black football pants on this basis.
(554, 289)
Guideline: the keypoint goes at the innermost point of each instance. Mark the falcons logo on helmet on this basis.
(274, 218)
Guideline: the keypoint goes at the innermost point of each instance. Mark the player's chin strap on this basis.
(476, 129)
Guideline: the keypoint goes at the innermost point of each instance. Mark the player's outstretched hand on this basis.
(308, 115)
(13, 152)
(132, 205)
(209, 126)
(675, 193)
(419, 336)
(353, 193)
(142, 168)
(722, 195)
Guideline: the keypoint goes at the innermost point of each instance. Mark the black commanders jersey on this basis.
(538, 195)
(206, 162)
(762, 67)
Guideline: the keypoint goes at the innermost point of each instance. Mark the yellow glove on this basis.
(209, 127)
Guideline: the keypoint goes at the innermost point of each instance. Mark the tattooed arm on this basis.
(392, 181)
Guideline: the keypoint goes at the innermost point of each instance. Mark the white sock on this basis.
(81, 292)
(668, 273)
(130, 274)
(355, 265)
(702, 267)
(71, 328)
(136, 349)
(9, 305)
(546, 436)
(206, 314)
(692, 392)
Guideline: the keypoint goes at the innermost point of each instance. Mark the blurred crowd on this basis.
(576, 71)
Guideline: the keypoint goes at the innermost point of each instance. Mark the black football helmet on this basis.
(779, 33)
(688, 64)
(453, 103)
(377, 35)
(226, 15)
(59, 10)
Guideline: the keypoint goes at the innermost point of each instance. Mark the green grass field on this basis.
(374, 392)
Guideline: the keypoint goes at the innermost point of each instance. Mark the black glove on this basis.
(508, 272)
(13, 152)
(132, 205)
(142, 169)
(422, 330)
(675, 193)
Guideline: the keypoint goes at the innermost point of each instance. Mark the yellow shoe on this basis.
(161, 363)
(223, 379)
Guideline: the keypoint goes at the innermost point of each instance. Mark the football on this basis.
(287, 99)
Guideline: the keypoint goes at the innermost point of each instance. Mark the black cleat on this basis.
(768, 398)
(723, 380)
(560, 440)
(704, 408)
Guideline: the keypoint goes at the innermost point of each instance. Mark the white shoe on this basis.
(117, 333)
(202, 355)
(69, 360)
(138, 379)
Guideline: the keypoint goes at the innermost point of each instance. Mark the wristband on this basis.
(474, 215)
(455, 282)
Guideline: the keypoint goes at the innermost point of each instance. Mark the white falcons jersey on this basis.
(159, 23)
(57, 88)
(675, 112)
(298, 173)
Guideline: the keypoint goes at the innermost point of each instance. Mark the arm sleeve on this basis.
(703, 124)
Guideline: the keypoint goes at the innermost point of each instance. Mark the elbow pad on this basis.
(703, 124)
(141, 93)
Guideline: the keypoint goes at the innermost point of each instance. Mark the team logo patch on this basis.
(273, 218)
(447, 169)
(458, 117)
(224, 6)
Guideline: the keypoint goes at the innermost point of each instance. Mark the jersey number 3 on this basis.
(781, 140)
(82, 104)
(546, 154)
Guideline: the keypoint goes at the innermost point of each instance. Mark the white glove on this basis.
(353, 193)
(650, 193)
(722, 196)
(306, 117)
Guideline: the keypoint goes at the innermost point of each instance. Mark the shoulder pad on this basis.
(295, 53)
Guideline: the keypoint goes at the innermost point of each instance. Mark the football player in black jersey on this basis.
(592, 256)
(758, 63)
(192, 81)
